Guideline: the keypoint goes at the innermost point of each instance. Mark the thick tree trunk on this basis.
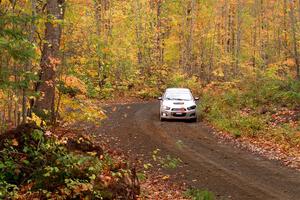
(50, 58)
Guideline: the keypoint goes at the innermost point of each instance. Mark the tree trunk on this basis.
(28, 66)
(285, 29)
(254, 38)
(98, 19)
(212, 57)
(138, 30)
(295, 47)
(298, 9)
(50, 59)
(102, 9)
(159, 33)
(238, 39)
(189, 40)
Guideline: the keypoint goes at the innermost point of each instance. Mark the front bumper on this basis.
(168, 114)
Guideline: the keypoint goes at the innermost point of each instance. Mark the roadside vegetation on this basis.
(197, 194)
(38, 164)
(265, 107)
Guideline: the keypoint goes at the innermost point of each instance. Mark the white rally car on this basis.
(178, 103)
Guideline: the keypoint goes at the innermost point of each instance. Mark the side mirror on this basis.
(197, 98)
(159, 98)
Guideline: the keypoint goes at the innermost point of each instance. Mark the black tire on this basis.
(160, 118)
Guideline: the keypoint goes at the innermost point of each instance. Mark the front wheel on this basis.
(160, 118)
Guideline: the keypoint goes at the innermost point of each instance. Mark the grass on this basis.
(198, 194)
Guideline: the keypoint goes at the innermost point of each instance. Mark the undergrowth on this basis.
(198, 194)
(36, 165)
(255, 107)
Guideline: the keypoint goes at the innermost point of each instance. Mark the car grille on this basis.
(178, 109)
(179, 114)
(178, 103)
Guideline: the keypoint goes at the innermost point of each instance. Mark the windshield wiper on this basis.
(176, 99)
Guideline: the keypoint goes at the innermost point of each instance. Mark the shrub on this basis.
(248, 107)
(35, 166)
(271, 91)
(68, 90)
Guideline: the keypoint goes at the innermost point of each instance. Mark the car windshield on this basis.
(180, 96)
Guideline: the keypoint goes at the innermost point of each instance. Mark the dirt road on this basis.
(229, 172)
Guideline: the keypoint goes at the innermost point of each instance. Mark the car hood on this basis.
(178, 104)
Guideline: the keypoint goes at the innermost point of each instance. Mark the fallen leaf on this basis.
(15, 142)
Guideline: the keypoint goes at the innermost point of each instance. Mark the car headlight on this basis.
(192, 107)
(166, 108)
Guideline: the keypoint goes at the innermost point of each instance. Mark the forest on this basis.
(60, 58)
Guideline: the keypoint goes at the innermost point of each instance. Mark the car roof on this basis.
(183, 90)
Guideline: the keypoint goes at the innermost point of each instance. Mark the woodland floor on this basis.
(207, 162)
